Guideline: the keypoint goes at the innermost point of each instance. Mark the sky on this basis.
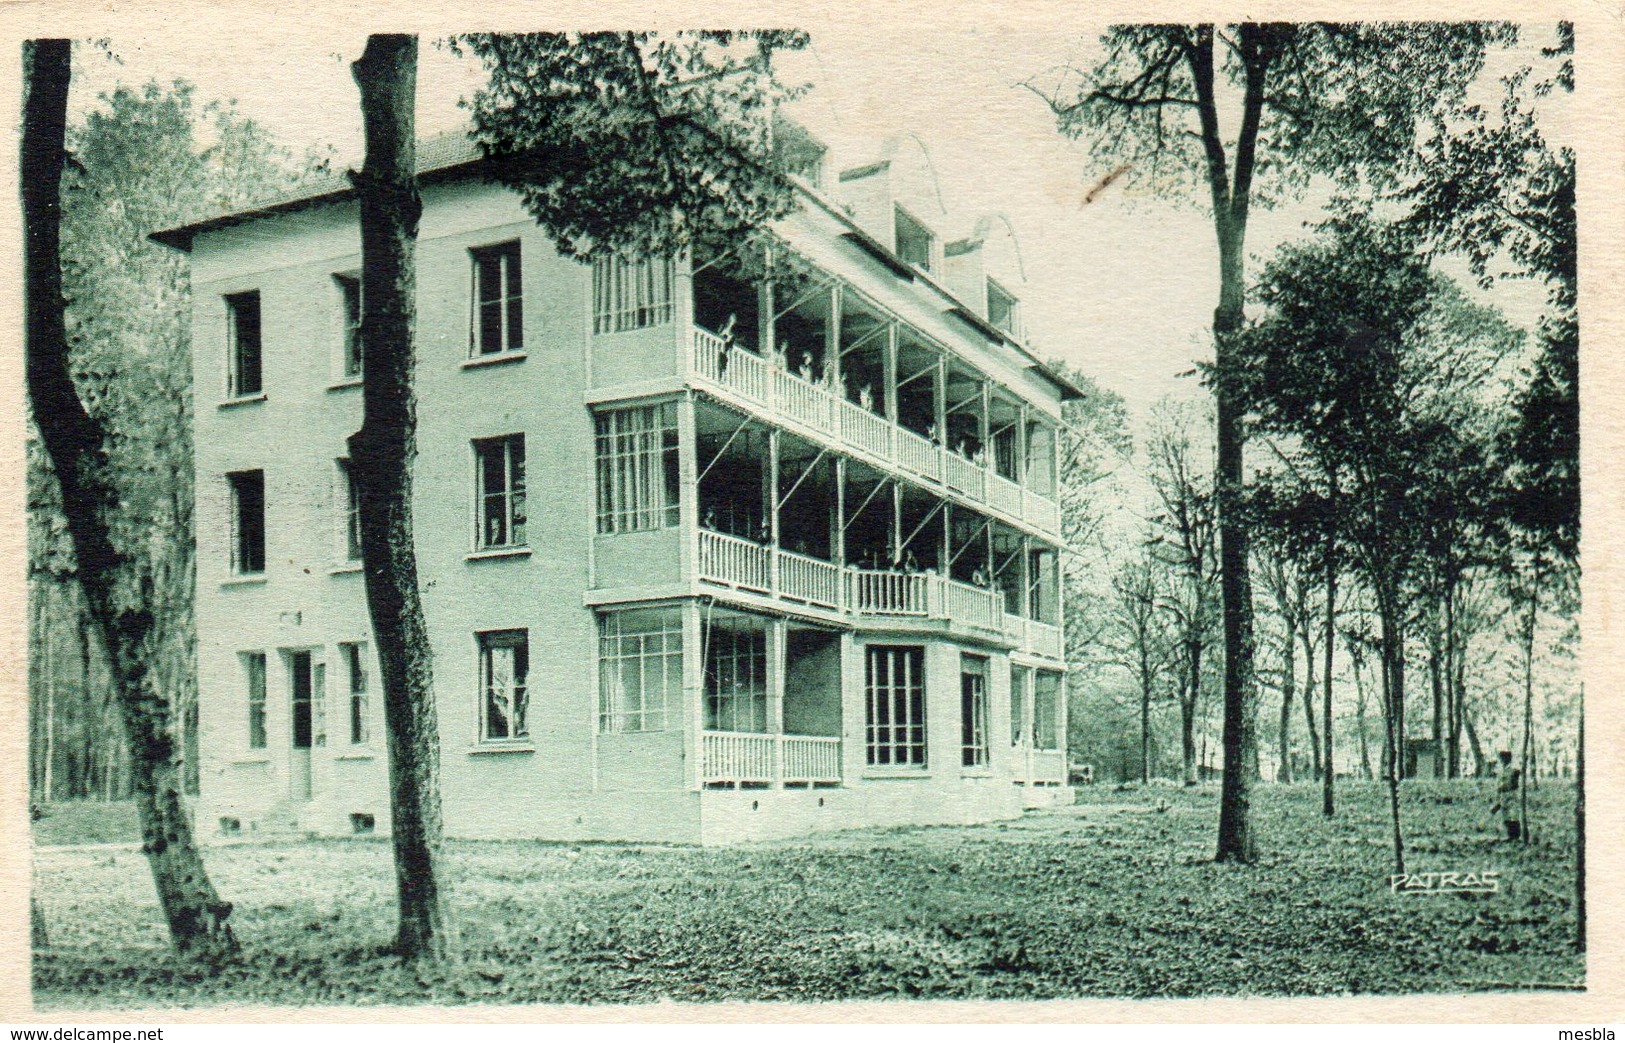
(1123, 287)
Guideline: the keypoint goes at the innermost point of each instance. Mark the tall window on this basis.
(629, 295)
(254, 672)
(243, 354)
(1047, 710)
(348, 496)
(354, 655)
(504, 662)
(895, 706)
(499, 315)
(350, 300)
(1001, 308)
(500, 491)
(736, 675)
(640, 670)
(247, 522)
(637, 468)
(914, 241)
(973, 711)
(1021, 680)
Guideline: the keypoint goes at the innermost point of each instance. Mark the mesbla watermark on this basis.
(1486, 882)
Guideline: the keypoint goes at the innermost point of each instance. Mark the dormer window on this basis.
(914, 241)
(1001, 308)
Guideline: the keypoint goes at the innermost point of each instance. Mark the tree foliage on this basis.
(635, 143)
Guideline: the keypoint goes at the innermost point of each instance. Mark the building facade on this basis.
(723, 547)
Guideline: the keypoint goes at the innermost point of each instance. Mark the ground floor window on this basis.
(254, 671)
(354, 655)
(973, 711)
(640, 670)
(504, 664)
(1047, 710)
(736, 674)
(894, 695)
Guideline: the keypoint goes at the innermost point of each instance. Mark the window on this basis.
(350, 300)
(895, 706)
(736, 675)
(1021, 681)
(973, 711)
(499, 316)
(243, 355)
(500, 491)
(247, 522)
(637, 468)
(1047, 710)
(1001, 308)
(640, 670)
(914, 241)
(504, 662)
(354, 655)
(254, 671)
(629, 295)
(349, 504)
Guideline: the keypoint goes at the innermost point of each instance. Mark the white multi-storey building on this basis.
(713, 548)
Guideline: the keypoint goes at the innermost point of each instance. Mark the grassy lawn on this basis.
(1117, 896)
(87, 822)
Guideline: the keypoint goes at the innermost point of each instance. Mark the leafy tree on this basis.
(1365, 359)
(118, 580)
(137, 164)
(635, 143)
(1342, 101)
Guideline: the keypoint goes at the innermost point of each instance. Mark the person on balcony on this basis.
(726, 336)
(805, 370)
(866, 397)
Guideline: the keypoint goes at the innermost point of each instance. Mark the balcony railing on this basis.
(743, 565)
(815, 405)
(752, 759)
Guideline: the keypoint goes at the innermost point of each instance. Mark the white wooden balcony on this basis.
(757, 759)
(752, 567)
(819, 408)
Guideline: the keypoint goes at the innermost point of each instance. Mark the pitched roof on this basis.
(439, 158)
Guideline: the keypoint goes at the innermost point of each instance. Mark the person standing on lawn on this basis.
(1506, 796)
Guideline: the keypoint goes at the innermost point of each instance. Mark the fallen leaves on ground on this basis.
(1106, 898)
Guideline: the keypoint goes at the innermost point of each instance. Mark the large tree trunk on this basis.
(1230, 208)
(75, 444)
(1289, 680)
(1145, 719)
(382, 453)
(1309, 692)
(1393, 686)
(1327, 801)
(1480, 762)
(1526, 757)
(1438, 671)
(1580, 830)
(1187, 714)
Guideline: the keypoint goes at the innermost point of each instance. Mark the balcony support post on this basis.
(688, 486)
(983, 429)
(840, 511)
(773, 509)
(777, 635)
(693, 695)
(888, 390)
